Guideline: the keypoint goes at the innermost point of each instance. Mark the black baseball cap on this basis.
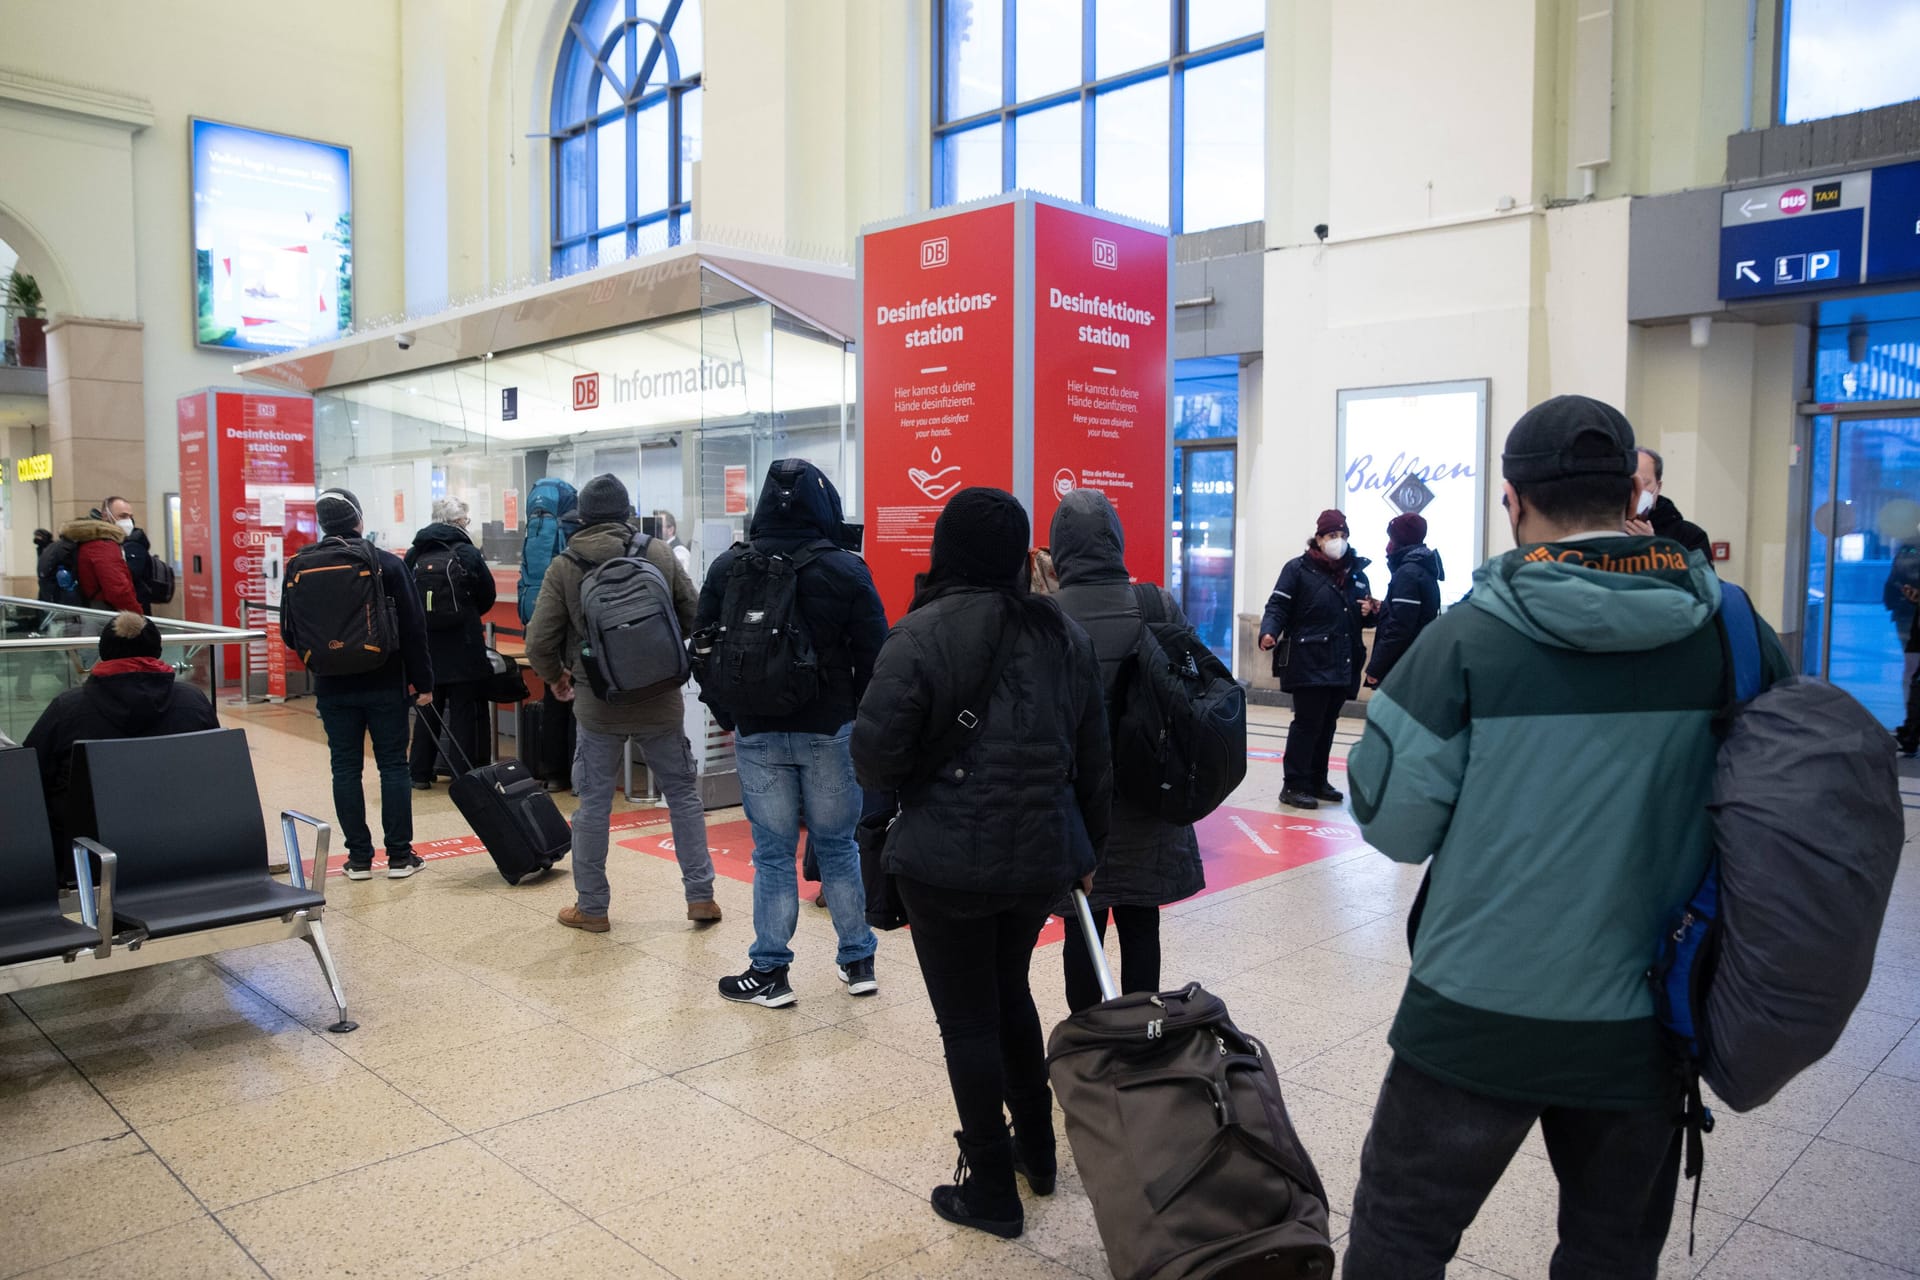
(1569, 436)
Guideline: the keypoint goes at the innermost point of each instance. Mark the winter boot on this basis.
(982, 1195)
(1034, 1156)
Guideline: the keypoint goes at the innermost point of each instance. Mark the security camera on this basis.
(1320, 230)
(404, 341)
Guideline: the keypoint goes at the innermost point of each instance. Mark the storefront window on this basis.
(1206, 426)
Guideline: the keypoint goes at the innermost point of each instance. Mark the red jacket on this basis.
(104, 579)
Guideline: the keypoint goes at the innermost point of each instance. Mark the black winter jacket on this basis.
(1413, 600)
(125, 698)
(1148, 863)
(1667, 522)
(1319, 625)
(1023, 806)
(838, 603)
(139, 553)
(459, 653)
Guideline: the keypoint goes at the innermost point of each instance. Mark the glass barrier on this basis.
(46, 650)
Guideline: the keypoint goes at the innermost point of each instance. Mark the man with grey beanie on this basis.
(653, 724)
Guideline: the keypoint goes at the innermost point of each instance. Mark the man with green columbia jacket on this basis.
(1550, 743)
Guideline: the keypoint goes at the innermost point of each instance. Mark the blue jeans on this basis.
(350, 719)
(785, 777)
(597, 761)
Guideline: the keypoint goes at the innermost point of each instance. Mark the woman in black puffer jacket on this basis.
(458, 647)
(991, 836)
(1148, 863)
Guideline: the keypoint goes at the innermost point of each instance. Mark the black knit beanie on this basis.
(603, 498)
(338, 512)
(129, 636)
(982, 537)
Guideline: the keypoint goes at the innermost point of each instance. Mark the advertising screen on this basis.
(1416, 449)
(272, 239)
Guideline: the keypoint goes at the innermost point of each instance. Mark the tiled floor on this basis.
(526, 1101)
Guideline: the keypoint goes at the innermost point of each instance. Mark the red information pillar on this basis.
(246, 487)
(1020, 344)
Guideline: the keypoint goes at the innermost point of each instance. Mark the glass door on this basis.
(1863, 558)
(1203, 516)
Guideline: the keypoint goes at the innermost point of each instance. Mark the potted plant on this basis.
(29, 326)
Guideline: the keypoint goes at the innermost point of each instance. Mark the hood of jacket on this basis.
(1086, 540)
(90, 529)
(437, 534)
(1606, 595)
(133, 700)
(604, 541)
(797, 503)
(1421, 554)
(1663, 515)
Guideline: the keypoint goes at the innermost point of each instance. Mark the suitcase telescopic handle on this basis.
(1109, 989)
(443, 734)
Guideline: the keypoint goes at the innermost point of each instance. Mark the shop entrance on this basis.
(1863, 556)
(1203, 511)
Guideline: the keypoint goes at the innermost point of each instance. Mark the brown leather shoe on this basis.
(704, 912)
(573, 918)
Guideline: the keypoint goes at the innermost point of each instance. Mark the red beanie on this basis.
(1331, 521)
(1409, 530)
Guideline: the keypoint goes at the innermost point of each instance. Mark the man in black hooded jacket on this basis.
(797, 766)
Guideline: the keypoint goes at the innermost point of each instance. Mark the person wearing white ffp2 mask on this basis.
(1655, 516)
(134, 546)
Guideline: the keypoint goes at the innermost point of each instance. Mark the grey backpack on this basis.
(630, 645)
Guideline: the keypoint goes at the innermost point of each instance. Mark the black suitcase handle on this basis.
(444, 734)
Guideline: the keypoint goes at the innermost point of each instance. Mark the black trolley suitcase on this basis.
(513, 815)
(1182, 1140)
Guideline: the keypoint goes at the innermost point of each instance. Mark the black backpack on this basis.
(436, 576)
(631, 646)
(159, 580)
(334, 609)
(1179, 720)
(59, 571)
(759, 660)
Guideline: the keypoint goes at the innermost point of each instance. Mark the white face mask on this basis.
(125, 523)
(1335, 548)
(1647, 499)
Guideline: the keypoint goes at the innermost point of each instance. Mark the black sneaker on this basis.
(422, 786)
(1328, 794)
(359, 870)
(859, 977)
(762, 987)
(1298, 799)
(402, 865)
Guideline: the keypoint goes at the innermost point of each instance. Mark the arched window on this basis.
(626, 129)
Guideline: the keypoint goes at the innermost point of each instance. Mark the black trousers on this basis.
(1316, 714)
(557, 738)
(975, 950)
(1435, 1152)
(461, 707)
(1139, 954)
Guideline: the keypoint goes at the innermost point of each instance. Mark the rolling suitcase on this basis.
(1182, 1140)
(513, 815)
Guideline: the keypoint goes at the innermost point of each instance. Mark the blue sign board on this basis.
(1781, 256)
(1893, 230)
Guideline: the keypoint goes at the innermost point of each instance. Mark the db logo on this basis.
(1106, 254)
(934, 253)
(1793, 200)
(266, 409)
(586, 391)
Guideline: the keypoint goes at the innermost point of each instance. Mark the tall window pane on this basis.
(1225, 156)
(1046, 151)
(1130, 151)
(1129, 34)
(689, 140)
(570, 184)
(1046, 56)
(973, 70)
(688, 45)
(650, 174)
(610, 158)
(973, 163)
(1211, 22)
(1844, 56)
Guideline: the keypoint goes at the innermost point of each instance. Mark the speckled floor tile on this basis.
(1746, 1158)
(910, 1146)
(492, 1082)
(1883, 1116)
(1333, 1130)
(908, 1027)
(429, 1011)
(1868, 1039)
(1759, 1253)
(844, 1222)
(258, 1148)
(687, 1025)
(1810, 1100)
(1894, 990)
(1352, 1069)
(816, 1082)
(47, 1105)
(1904, 1061)
(588, 1251)
(461, 1205)
(1292, 1032)
(54, 1208)
(611, 1151)
(1335, 982)
(1856, 1201)
(1294, 915)
(973, 1255)
(196, 1250)
(1061, 1227)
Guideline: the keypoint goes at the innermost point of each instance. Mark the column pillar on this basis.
(96, 416)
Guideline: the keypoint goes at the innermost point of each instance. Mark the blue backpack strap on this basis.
(1743, 642)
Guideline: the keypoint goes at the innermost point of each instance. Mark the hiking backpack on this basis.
(630, 643)
(335, 612)
(551, 522)
(758, 660)
(1179, 720)
(436, 576)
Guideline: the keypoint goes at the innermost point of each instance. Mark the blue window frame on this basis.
(1842, 56)
(625, 130)
(1155, 109)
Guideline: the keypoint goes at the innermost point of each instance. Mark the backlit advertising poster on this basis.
(1417, 449)
(272, 239)
(1100, 375)
(937, 380)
